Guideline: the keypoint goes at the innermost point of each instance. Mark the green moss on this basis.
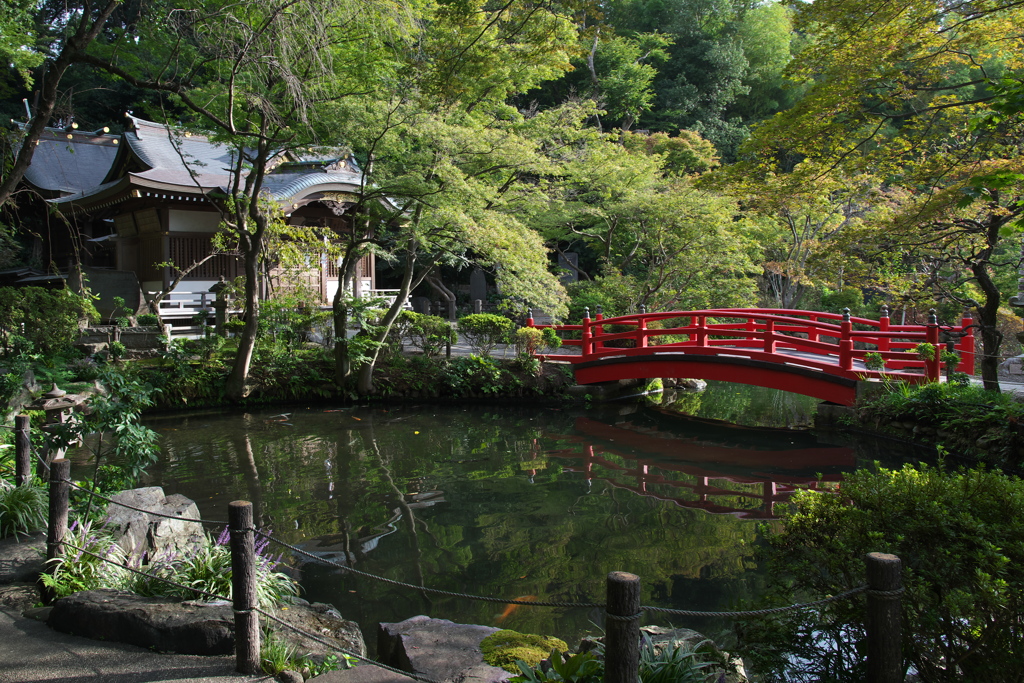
(503, 648)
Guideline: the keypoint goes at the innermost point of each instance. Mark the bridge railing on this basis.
(821, 339)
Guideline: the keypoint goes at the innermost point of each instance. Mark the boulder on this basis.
(194, 628)
(147, 536)
(163, 624)
(438, 649)
(323, 621)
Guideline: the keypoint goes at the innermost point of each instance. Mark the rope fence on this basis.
(622, 606)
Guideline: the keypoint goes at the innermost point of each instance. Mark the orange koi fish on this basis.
(510, 608)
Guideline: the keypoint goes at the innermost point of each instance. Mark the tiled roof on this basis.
(69, 162)
(170, 160)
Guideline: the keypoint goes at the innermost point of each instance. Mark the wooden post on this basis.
(22, 449)
(769, 336)
(883, 623)
(883, 326)
(243, 587)
(57, 526)
(585, 342)
(846, 341)
(966, 345)
(701, 338)
(622, 635)
(932, 365)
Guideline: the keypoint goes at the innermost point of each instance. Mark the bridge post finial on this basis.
(885, 310)
(932, 318)
(643, 308)
(846, 315)
(586, 312)
(600, 309)
(967, 314)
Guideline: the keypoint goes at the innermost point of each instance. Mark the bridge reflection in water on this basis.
(746, 475)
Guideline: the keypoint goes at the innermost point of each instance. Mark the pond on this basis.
(529, 503)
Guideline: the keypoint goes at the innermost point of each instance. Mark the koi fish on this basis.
(510, 608)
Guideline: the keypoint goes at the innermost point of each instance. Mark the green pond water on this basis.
(534, 503)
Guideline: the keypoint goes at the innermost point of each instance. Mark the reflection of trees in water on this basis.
(742, 404)
(344, 474)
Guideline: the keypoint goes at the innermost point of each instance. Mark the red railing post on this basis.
(769, 336)
(883, 326)
(966, 344)
(932, 365)
(812, 329)
(585, 343)
(700, 322)
(529, 317)
(846, 342)
(599, 329)
(641, 328)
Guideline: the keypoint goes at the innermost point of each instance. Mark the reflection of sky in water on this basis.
(500, 502)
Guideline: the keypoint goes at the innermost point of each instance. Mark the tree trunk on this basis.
(364, 382)
(988, 320)
(236, 388)
(342, 362)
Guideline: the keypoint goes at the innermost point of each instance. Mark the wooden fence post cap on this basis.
(622, 577)
(883, 557)
(239, 504)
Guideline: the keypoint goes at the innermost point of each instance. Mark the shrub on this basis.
(429, 333)
(484, 331)
(49, 333)
(147, 319)
(22, 509)
(530, 340)
(960, 536)
(73, 570)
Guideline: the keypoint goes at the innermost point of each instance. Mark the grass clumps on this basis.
(505, 647)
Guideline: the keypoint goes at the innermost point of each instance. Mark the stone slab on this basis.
(364, 673)
(438, 649)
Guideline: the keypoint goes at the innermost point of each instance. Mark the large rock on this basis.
(325, 622)
(160, 623)
(147, 536)
(438, 649)
(193, 628)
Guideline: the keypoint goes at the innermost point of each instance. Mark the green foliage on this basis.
(874, 360)
(22, 509)
(960, 536)
(276, 655)
(114, 417)
(484, 331)
(429, 333)
(925, 351)
(47, 333)
(968, 414)
(73, 570)
(122, 313)
(835, 301)
(505, 648)
(528, 340)
(583, 667)
(147, 319)
(117, 350)
(674, 665)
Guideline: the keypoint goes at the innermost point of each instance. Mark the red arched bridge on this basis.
(806, 352)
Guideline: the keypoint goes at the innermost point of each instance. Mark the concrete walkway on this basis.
(31, 651)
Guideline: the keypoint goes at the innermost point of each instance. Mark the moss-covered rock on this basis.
(504, 648)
